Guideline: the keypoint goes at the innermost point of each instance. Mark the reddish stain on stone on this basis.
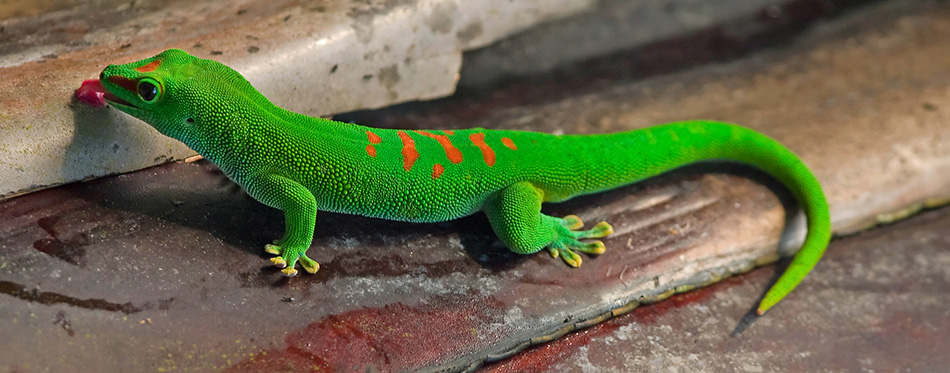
(395, 337)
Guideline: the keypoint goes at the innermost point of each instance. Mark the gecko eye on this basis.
(148, 90)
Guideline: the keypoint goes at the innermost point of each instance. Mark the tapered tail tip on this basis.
(772, 297)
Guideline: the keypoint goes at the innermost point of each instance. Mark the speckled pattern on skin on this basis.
(300, 164)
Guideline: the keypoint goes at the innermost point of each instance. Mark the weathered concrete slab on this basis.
(314, 58)
(878, 303)
(164, 268)
(621, 25)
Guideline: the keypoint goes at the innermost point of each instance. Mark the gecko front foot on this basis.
(287, 259)
(568, 240)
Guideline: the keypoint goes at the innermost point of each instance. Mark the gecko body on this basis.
(302, 165)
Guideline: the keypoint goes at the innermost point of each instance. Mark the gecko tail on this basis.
(708, 140)
(626, 157)
(764, 152)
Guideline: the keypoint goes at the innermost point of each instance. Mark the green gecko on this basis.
(300, 164)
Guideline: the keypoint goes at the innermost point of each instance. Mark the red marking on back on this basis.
(437, 171)
(151, 66)
(510, 144)
(454, 155)
(449, 132)
(371, 150)
(409, 153)
(125, 83)
(487, 152)
(373, 138)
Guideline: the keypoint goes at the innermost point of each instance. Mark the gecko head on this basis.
(174, 92)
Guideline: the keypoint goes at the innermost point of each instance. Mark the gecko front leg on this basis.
(300, 215)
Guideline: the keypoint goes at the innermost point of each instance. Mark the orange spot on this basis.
(449, 132)
(437, 171)
(125, 83)
(487, 153)
(409, 153)
(371, 150)
(373, 138)
(454, 155)
(151, 66)
(510, 144)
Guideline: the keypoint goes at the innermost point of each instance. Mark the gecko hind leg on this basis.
(515, 215)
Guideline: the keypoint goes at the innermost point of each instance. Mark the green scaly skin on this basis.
(300, 164)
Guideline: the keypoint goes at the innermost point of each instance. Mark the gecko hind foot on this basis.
(568, 241)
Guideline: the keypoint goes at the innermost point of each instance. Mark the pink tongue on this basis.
(92, 93)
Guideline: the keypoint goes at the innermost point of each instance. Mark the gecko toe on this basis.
(567, 255)
(309, 265)
(595, 247)
(272, 249)
(600, 230)
(572, 222)
(279, 262)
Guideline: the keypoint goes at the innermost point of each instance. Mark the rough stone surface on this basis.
(876, 302)
(164, 268)
(612, 26)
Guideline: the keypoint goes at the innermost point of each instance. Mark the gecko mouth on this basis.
(94, 93)
(113, 99)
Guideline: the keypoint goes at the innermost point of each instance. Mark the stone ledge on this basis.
(324, 58)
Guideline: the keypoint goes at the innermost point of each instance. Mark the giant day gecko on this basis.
(301, 164)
